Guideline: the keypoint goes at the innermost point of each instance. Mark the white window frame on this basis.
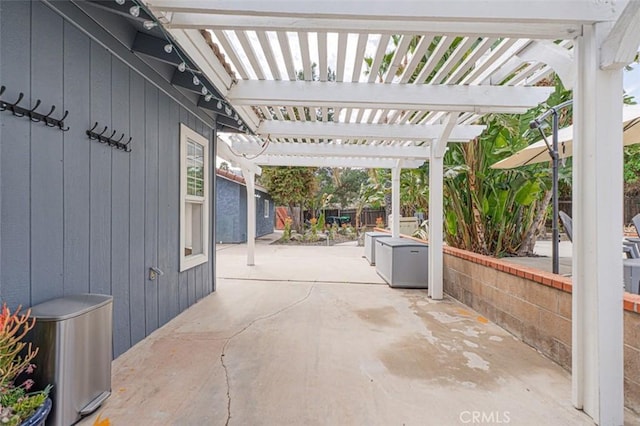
(187, 262)
(266, 208)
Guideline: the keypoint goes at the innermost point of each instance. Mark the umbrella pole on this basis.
(554, 196)
(553, 152)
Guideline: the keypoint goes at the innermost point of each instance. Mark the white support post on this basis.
(597, 343)
(436, 166)
(249, 179)
(435, 226)
(395, 199)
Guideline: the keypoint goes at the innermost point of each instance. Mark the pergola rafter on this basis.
(354, 162)
(480, 99)
(420, 133)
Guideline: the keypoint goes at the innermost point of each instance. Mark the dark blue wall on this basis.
(231, 212)
(228, 212)
(78, 216)
(264, 225)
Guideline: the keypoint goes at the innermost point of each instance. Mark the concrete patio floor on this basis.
(312, 336)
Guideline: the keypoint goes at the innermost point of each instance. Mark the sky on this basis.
(632, 82)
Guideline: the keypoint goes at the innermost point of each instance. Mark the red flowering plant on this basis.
(16, 402)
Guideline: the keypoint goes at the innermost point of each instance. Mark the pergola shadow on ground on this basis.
(294, 346)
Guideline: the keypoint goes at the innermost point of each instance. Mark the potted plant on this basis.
(18, 405)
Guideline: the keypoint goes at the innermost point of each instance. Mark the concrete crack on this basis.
(242, 330)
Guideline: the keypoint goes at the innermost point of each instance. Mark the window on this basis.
(266, 209)
(194, 198)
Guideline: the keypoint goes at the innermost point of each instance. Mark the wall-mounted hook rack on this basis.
(109, 140)
(31, 113)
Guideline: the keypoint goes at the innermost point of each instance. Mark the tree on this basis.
(498, 212)
(489, 211)
(290, 186)
(343, 183)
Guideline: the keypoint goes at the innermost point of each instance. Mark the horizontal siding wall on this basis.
(78, 216)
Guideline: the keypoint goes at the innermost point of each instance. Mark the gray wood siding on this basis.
(78, 216)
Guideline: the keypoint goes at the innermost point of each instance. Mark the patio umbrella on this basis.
(537, 152)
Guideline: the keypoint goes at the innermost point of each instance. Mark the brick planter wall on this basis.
(535, 306)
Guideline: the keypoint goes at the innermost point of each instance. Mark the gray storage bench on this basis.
(402, 262)
(370, 245)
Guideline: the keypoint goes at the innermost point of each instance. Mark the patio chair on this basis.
(566, 224)
(630, 246)
(632, 241)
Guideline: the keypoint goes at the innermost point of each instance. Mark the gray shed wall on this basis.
(78, 216)
(231, 214)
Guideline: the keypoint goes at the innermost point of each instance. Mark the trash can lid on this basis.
(69, 306)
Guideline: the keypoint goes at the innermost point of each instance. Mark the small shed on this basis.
(231, 209)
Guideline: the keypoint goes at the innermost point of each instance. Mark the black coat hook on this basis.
(109, 140)
(36, 118)
(31, 112)
(14, 110)
(100, 137)
(61, 122)
(48, 121)
(90, 132)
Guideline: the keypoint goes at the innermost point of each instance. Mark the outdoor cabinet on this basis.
(402, 262)
(631, 268)
(74, 337)
(370, 245)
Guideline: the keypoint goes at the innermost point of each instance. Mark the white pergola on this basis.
(454, 61)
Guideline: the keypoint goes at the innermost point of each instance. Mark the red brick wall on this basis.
(535, 306)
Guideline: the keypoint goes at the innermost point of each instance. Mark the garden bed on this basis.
(338, 239)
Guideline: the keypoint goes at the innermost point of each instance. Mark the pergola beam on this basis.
(529, 19)
(327, 130)
(522, 11)
(333, 150)
(440, 145)
(224, 151)
(558, 58)
(450, 98)
(550, 31)
(357, 162)
(621, 45)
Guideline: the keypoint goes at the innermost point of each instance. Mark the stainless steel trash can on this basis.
(402, 262)
(74, 337)
(370, 245)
